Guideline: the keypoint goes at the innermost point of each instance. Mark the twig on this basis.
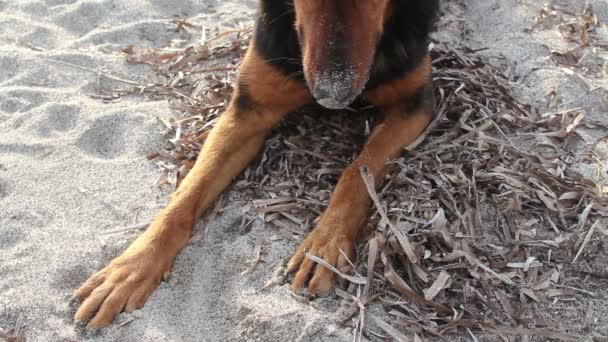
(352, 279)
(586, 241)
(257, 252)
(126, 229)
(96, 72)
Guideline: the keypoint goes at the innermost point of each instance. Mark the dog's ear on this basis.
(338, 40)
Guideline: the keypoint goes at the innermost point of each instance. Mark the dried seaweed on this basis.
(16, 334)
(579, 30)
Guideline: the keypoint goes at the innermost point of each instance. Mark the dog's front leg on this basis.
(407, 113)
(262, 98)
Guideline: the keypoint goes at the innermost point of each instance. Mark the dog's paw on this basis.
(329, 243)
(124, 285)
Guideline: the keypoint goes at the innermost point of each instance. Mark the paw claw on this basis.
(303, 292)
(73, 301)
(90, 332)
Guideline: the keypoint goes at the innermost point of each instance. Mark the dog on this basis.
(332, 52)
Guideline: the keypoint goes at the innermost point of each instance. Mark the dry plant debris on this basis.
(16, 334)
(479, 225)
(580, 30)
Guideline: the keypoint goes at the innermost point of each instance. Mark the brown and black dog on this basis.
(329, 51)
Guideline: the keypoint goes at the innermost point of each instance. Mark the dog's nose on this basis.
(333, 101)
(335, 92)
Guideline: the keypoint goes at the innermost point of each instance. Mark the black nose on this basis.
(335, 92)
(332, 101)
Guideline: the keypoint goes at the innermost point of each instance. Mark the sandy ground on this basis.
(72, 169)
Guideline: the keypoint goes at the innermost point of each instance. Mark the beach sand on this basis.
(73, 170)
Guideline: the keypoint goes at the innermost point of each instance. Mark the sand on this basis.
(73, 170)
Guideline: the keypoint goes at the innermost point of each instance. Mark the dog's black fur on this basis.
(403, 45)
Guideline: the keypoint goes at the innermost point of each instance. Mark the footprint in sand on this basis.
(37, 9)
(60, 118)
(106, 137)
(85, 17)
(13, 103)
(9, 65)
(4, 189)
(59, 2)
(70, 278)
(11, 227)
(40, 37)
